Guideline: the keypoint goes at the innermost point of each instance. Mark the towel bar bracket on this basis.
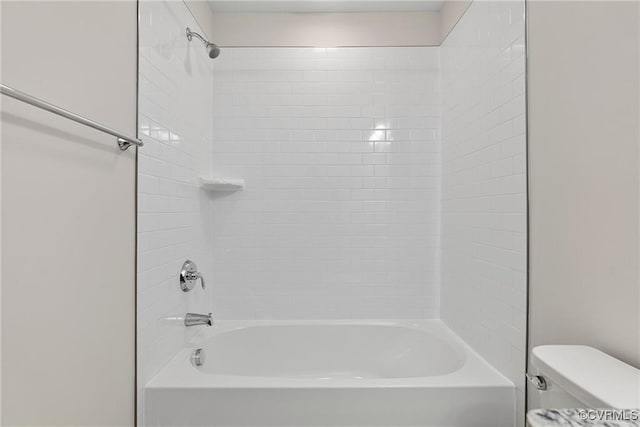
(124, 144)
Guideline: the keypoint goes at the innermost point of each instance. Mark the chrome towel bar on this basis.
(124, 141)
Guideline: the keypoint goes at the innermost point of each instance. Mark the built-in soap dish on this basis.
(220, 184)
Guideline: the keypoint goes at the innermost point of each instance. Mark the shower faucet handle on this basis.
(189, 274)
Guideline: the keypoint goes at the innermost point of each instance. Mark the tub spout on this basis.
(193, 319)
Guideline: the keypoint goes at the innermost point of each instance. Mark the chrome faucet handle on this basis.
(189, 274)
(195, 276)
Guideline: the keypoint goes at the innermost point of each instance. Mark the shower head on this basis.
(212, 49)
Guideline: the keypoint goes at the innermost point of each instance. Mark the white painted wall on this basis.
(324, 6)
(175, 113)
(326, 29)
(340, 150)
(584, 133)
(484, 186)
(68, 215)
(327, 24)
(450, 13)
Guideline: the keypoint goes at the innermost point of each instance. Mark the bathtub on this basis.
(329, 373)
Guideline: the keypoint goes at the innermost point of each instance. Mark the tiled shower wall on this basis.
(175, 109)
(340, 150)
(484, 185)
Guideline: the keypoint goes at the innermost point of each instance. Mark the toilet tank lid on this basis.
(594, 377)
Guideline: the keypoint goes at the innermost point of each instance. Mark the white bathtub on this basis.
(330, 373)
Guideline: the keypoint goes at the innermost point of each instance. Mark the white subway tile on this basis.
(175, 109)
(326, 174)
(484, 184)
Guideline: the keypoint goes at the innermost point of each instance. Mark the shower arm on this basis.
(191, 34)
(212, 49)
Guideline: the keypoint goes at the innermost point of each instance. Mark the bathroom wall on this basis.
(340, 151)
(175, 110)
(326, 29)
(484, 185)
(68, 215)
(450, 14)
(584, 112)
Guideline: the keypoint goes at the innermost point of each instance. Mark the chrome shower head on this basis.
(212, 49)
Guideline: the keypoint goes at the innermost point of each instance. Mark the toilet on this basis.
(576, 376)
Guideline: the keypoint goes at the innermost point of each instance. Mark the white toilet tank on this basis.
(582, 377)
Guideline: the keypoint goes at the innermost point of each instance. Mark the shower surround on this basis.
(381, 183)
(340, 150)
